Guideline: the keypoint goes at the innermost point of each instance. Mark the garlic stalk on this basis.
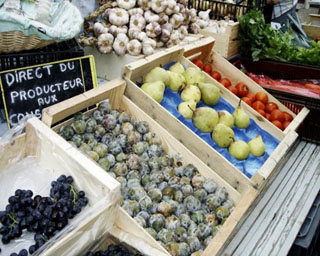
(153, 29)
(158, 6)
(144, 4)
(151, 17)
(104, 43)
(148, 46)
(126, 4)
(118, 17)
(120, 44)
(135, 11)
(137, 21)
(134, 47)
(176, 20)
(99, 28)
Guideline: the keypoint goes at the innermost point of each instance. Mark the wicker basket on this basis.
(17, 41)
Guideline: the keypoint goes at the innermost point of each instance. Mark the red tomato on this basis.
(258, 105)
(271, 106)
(233, 89)
(216, 75)
(242, 89)
(285, 124)
(261, 112)
(251, 96)
(207, 68)
(263, 97)
(278, 124)
(246, 100)
(198, 62)
(268, 116)
(277, 114)
(225, 82)
(287, 117)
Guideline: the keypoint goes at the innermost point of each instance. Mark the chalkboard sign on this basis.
(30, 89)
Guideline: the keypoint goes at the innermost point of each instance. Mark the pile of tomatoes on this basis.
(259, 101)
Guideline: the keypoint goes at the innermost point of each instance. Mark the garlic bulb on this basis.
(176, 20)
(174, 38)
(144, 4)
(123, 29)
(163, 18)
(204, 15)
(153, 29)
(151, 17)
(166, 32)
(137, 21)
(134, 47)
(202, 23)
(148, 46)
(107, 13)
(113, 30)
(183, 32)
(184, 2)
(118, 17)
(172, 7)
(126, 4)
(133, 33)
(142, 36)
(114, 4)
(194, 28)
(99, 28)
(104, 43)
(193, 14)
(135, 11)
(159, 44)
(158, 5)
(120, 44)
(186, 17)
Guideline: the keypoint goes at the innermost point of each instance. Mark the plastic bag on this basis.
(66, 20)
(31, 157)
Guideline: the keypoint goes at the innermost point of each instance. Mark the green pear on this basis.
(222, 135)
(157, 74)
(193, 76)
(154, 89)
(226, 118)
(210, 94)
(257, 146)
(176, 81)
(186, 108)
(177, 68)
(239, 149)
(205, 119)
(191, 92)
(241, 118)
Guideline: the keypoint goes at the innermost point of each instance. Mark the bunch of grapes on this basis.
(45, 216)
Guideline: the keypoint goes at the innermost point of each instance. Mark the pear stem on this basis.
(239, 103)
(190, 108)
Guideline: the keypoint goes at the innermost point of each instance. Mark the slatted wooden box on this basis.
(227, 43)
(312, 26)
(114, 91)
(134, 73)
(55, 156)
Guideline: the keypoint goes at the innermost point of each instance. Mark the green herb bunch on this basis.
(260, 41)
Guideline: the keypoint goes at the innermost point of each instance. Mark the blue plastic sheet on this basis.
(252, 164)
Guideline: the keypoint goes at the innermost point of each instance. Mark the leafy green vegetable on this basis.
(260, 41)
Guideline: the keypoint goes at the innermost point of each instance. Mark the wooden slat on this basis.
(269, 210)
(60, 111)
(203, 47)
(269, 191)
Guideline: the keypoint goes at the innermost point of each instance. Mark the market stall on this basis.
(126, 131)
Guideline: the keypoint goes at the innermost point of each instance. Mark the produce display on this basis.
(112, 251)
(139, 27)
(176, 205)
(258, 101)
(260, 41)
(198, 104)
(45, 216)
(219, 26)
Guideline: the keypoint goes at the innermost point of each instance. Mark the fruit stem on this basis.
(190, 108)
(239, 103)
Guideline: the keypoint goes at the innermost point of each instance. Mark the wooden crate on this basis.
(114, 91)
(313, 31)
(56, 157)
(235, 76)
(227, 43)
(199, 147)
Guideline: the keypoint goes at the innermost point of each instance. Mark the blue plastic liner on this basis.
(252, 164)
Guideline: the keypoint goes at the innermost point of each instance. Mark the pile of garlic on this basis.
(219, 26)
(140, 26)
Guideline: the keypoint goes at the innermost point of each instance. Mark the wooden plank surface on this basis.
(278, 213)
